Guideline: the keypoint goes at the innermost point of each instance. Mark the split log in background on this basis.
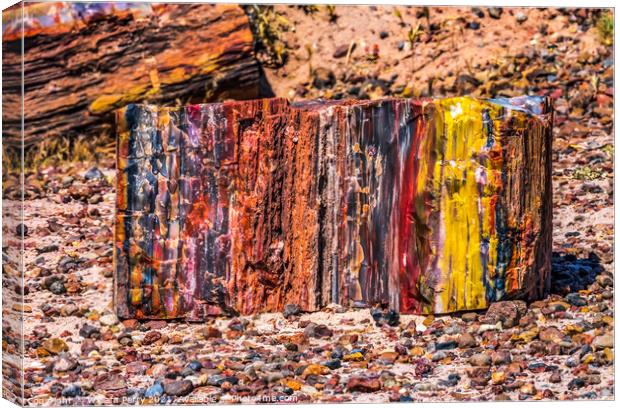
(81, 61)
(428, 206)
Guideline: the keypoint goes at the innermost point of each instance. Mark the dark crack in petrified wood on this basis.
(425, 206)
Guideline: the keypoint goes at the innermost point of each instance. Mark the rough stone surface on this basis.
(506, 312)
(236, 207)
(178, 388)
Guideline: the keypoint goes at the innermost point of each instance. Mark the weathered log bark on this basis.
(83, 61)
(423, 206)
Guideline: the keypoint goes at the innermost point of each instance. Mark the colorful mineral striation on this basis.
(424, 206)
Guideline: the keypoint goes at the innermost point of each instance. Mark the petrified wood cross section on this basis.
(425, 206)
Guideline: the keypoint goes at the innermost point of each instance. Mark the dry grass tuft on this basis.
(58, 150)
(268, 26)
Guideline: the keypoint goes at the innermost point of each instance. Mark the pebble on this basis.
(498, 377)
(109, 320)
(363, 384)
(424, 387)
(136, 368)
(212, 332)
(506, 312)
(87, 331)
(478, 12)
(215, 380)
(473, 25)
(576, 383)
(67, 180)
(605, 341)
(21, 229)
(495, 12)
(109, 382)
(572, 361)
(341, 51)
(338, 352)
(333, 364)
(151, 337)
(308, 389)
(527, 389)
(466, 340)
(318, 331)
(438, 356)
(401, 349)
(446, 345)
(71, 391)
(157, 370)
(93, 174)
(356, 356)
(521, 17)
(125, 339)
(452, 380)
(390, 317)
(291, 310)
(57, 287)
(273, 377)
(88, 345)
(154, 391)
(160, 324)
(551, 334)
(576, 300)
(95, 199)
(323, 78)
(501, 357)
(47, 248)
(55, 346)
(480, 359)
(469, 317)
(556, 377)
(64, 363)
(178, 388)
(194, 365)
(70, 309)
(537, 367)
(604, 280)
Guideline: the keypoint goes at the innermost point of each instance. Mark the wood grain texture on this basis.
(424, 206)
(83, 61)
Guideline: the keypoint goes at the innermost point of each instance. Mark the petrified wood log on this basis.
(81, 61)
(425, 206)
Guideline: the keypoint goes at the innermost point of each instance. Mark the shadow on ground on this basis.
(571, 274)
